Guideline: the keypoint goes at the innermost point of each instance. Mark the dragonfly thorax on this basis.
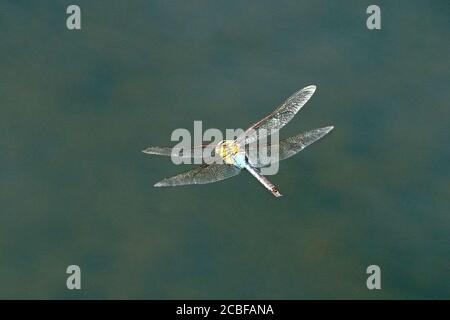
(227, 150)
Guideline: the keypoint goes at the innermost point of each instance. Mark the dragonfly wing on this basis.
(279, 118)
(196, 152)
(160, 151)
(201, 175)
(288, 147)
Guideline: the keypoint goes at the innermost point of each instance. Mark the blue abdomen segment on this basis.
(240, 160)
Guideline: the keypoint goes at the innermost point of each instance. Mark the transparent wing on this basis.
(286, 147)
(279, 118)
(160, 151)
(196, 152)
(201, 175)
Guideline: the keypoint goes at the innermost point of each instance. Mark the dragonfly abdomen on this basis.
(263, 180)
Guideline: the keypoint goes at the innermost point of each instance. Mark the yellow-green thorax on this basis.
(227, 149)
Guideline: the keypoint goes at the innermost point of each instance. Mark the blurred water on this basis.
(77, 108)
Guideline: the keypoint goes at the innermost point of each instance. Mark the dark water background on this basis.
(77, 107)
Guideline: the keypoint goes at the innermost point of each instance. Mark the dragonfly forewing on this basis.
(277, 119)
(204, 152)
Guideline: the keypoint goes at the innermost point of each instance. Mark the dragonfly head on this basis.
(227, 149)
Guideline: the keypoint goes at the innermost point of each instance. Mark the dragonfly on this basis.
(235, 153)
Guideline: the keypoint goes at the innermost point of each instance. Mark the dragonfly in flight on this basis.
(235, 155)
